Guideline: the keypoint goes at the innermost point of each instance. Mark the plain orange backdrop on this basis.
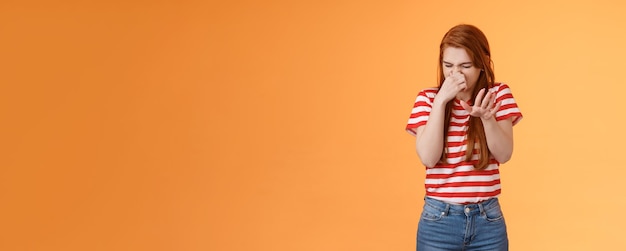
(279, 125)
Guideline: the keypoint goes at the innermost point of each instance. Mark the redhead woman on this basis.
(464, 131)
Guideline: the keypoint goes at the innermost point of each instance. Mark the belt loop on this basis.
(482, 208)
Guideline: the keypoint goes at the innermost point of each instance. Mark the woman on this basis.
(463, 130)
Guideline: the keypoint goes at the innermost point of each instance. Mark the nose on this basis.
(456, 69)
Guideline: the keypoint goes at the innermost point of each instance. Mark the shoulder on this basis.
(501, 87)
(429, 92)
(502, 90)
(426, 97)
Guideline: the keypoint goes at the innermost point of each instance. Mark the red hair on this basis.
(475, 43)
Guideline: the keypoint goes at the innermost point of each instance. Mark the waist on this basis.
(453, 208)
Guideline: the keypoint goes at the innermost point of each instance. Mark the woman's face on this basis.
(457, 60)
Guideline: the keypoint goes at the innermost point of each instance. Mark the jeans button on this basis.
(467, 210)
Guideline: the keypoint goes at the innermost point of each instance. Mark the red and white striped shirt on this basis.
(457, 181)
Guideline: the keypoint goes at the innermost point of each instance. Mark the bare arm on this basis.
(499, 136)
(429, 137)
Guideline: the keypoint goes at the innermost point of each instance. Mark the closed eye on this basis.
(465, 65)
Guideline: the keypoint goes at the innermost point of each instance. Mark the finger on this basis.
(466, 106)
(487, 101)
(458, 77)
(455, 74)
(495, 97)
(495, 109)
(463, 86)
(479, 97)
(461, 78)
(452, 77)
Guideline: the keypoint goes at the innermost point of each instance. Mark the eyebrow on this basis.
(459, 64)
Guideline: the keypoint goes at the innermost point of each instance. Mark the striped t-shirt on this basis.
(457, 181)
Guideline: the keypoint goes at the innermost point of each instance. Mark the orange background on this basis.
(279, 125)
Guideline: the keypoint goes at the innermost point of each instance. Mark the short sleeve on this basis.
(508, 107)
(421, 110)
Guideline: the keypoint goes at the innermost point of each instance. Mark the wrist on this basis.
(489, 119)
(440, 101)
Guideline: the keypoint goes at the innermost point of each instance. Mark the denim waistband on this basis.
(473, 208)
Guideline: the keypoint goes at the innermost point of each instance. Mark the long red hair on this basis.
(474, 41)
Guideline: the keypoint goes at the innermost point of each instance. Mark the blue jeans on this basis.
(470, 227)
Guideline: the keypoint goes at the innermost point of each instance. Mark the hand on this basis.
(483, 107)
(451, 86)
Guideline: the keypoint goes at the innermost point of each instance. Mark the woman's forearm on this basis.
(429, 138)
(499, 136)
